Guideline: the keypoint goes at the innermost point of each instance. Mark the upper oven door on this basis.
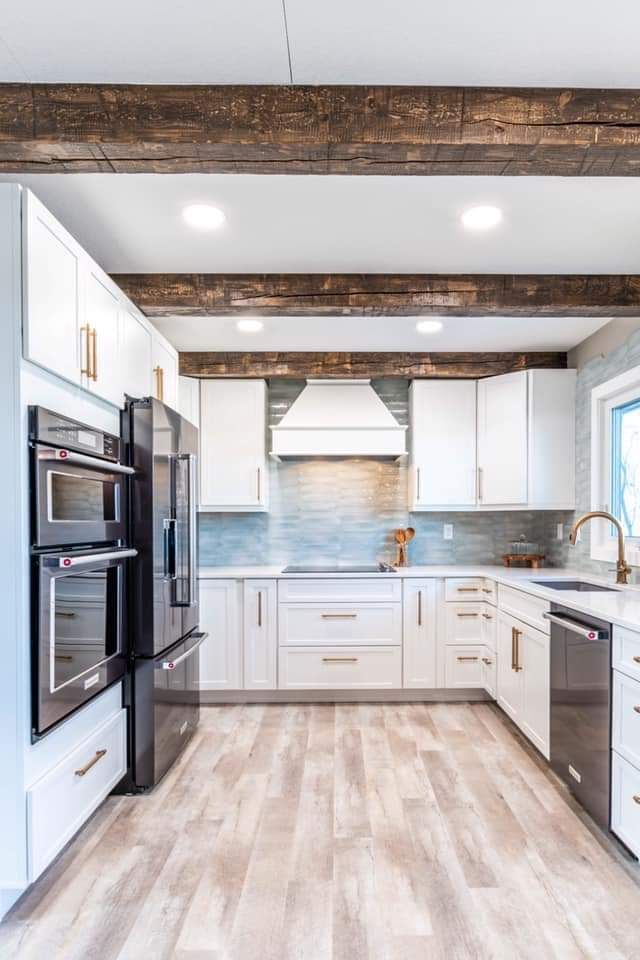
(77, 499)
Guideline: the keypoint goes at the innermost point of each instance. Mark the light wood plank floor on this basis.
(304, 832)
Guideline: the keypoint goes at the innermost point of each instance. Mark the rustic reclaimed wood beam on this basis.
(296, 366)
(321, 130)
(393, 295)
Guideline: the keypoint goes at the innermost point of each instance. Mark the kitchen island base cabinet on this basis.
(221, 618)
(419, 633)
(260, 634)
(524, 691)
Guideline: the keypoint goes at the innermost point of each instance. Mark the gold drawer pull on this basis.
(64, 657)
(462, 659)
(339, 616)
(86, 369)
(636, 659)
(487, 661)
(487, 616)
(84, 770)
(66, 614)
(468, 614)
(339, 659)
(486, 590)
(637, 709)
(636, 798)
(468, 589)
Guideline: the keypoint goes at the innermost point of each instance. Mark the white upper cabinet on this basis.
(443, 444)
(233, 467)
(100, 336)
(502, 440)
(189, 399)
(135, 341)
(52, 290)
(164, 362)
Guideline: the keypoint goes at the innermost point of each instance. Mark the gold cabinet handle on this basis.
(479, 483)
(259, 608)
(159, 372)
(339, 616)
(467, 615)
(66, 614)
(487, 661)
(636, 659)
(86, 369)
(64, 657)
(463, 659)
(468, 589)
(513, 648)
(637, 709)
(84, 770)
(259, 485)
(636, 798)
(339, 659)
(517, 634)
(419, 608)
(94, 354)
(418, 483)
(486, 590)
(487, 616)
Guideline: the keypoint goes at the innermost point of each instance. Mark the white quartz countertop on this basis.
(621, 606)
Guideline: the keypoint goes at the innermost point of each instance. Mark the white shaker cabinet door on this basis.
(52, 292)
(260, 626)
(101, 336)
(221, 618)
(164, 362)
(136, 353)
(443, 444)
(536, 688)
(419, 633)
(233, 469)
(502, 440)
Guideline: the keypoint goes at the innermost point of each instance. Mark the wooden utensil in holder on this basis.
(403, 539)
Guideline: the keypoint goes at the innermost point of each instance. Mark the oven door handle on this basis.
(68, 456)
(172, 664)
(589, 633)
(91, 559)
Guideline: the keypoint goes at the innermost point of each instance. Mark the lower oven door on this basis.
(166, 708)
(78, 641)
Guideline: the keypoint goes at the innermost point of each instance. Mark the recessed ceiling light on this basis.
(429, 326)
(249, 326)
(481, 218)
(202, 216)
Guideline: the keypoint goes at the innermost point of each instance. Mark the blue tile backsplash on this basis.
(347, 511)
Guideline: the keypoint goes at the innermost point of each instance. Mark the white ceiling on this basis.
(336, 224)
(380, 333)
(483, 42)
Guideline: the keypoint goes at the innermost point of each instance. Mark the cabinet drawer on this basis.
(377, 589)
(300, 624)
(463, 667)
(524, 606)
(464, 623)
(626, 717)
(463, 588)
(626, 651)
(61, 800)
(625, 802)
(340, 668)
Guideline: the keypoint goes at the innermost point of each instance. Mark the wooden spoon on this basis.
(409, 534)
(401, 536)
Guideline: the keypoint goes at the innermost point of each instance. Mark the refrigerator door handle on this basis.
(192, 532)
(169, 548)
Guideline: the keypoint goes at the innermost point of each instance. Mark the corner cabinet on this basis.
(233, 462)
(504, 442)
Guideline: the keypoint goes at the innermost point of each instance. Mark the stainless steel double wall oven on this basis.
(79, 555)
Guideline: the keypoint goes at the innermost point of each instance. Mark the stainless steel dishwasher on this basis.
(581, 707)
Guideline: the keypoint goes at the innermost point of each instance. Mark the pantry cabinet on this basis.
(260, 634)
(233, 465)
(221, 618)
(523, 678)
(419, 633)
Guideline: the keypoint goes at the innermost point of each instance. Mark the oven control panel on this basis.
(58, 431)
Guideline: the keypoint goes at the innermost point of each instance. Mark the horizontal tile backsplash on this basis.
(347, 511)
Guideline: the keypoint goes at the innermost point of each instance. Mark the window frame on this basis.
(616, 392)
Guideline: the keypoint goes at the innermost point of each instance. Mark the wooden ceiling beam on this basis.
(297, 366)
(121, 128)
(393, 295)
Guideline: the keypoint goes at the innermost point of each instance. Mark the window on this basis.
(615, 462)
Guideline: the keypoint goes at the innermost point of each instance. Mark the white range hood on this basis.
(338, 418)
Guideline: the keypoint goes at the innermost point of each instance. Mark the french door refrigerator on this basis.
(163, 614)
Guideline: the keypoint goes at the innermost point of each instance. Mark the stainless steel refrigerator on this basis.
(163, 595)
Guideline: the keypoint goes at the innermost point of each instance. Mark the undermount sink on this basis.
(581, 586)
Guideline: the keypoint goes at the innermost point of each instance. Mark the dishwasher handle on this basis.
(589, 633)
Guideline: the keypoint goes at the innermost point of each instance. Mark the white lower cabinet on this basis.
(302, 624)
(221, 618)
(489, 671)
(260, 634)
(419, 633)
(463, 623)
(625, 802)
(523, 685)
(62, 799)
(463, 667)
(337, 668)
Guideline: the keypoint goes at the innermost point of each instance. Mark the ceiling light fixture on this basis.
(202, 216)
(429, 326)
(249, 326)
(481, 218)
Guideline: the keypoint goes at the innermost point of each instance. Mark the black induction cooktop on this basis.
(338, 568)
